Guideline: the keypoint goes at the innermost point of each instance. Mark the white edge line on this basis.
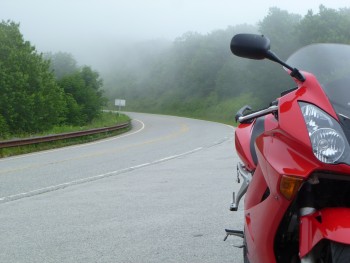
(177, 156)
(92, 178)
(89, 179)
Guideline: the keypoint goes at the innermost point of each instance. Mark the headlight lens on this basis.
(327, 138)
(327, 144)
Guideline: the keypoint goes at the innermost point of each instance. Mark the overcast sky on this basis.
(74, 25)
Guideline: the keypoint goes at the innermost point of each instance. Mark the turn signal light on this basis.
(289, 186)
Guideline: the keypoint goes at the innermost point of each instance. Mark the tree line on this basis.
(41, 91)
(197, 76)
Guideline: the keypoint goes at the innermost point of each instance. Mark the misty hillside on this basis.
(197, 76)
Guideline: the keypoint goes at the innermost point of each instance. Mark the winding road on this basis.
(159, 193)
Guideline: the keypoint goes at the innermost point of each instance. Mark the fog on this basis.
(92, 30)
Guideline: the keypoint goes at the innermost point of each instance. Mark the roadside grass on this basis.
(106, 119)
(210, 108)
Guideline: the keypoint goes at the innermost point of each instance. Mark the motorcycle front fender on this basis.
(329, 223)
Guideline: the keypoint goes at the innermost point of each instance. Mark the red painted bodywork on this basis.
(285, 149)
(242, 143)
(329, 223)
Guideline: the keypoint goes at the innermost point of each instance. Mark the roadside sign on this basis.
(120, 103)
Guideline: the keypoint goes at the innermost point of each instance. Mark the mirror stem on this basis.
(295, 73)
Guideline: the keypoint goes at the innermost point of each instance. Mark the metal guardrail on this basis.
(62, 136)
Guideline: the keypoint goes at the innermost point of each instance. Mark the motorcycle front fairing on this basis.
(264, 205)
(328, 223)
(242, 143)
(294, 146)
(330, 63)
(285, 149)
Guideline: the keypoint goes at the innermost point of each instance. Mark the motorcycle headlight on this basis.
(327, 138)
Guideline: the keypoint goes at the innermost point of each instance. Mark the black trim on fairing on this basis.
(259, 128)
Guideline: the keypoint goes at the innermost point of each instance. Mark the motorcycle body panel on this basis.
(266, 212)
(242, 143)
(283, 148)
(329, 223)
(290, 116)
(280, 153)
(260, 216)
(243, 135)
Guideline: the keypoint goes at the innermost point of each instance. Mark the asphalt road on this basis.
(159, 193)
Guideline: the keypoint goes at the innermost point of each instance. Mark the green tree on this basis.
(30, 99)
(280, 27)
(328, 25)
(84, 95)
(61, 63)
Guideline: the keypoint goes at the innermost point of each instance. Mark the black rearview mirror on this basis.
(250, 46)
(258, 47)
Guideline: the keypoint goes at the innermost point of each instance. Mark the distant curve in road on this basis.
(159, 193)
(154, 138)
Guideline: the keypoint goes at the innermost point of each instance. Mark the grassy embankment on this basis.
(209, 109)
(106, 119)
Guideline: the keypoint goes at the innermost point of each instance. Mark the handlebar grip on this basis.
(241, 111)
(257, 114)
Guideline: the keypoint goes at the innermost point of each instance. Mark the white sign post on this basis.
(119, 103)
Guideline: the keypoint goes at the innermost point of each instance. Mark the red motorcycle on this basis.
(295, 159)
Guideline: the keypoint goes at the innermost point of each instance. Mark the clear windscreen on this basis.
(330, 63)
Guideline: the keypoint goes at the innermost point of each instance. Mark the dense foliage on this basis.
(198, 76)
(61, 63)
(32, 98)
(84, 95)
